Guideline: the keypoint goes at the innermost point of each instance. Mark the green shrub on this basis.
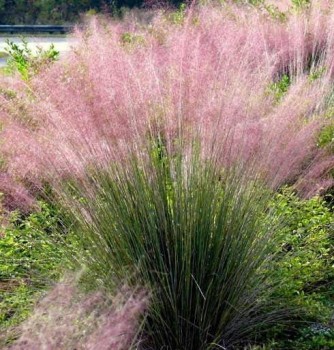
(326, 137)
(22, 59)
(31, 257)
(305, 263)
(132, 39)
(299, 4)
(304, 269)
(280, 87)
(178, 16)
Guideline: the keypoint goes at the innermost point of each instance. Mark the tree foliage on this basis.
(55, 11)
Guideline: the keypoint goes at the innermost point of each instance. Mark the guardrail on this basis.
(16, 29)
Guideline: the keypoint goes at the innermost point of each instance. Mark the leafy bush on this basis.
(326, 137)
(31, 256)
(178, 16)
(22, 59)
(280, 88)
(300, 3)
(304, 269)
(131, 39)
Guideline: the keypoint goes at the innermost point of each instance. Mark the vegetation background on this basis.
(58, 11)
(93, 167)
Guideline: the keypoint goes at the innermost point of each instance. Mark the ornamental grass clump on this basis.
(165, 141)
(192, 233)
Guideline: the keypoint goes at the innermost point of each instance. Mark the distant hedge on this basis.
(58, 11)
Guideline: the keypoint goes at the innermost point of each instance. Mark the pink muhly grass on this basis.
(14, 195)
(67, 319)
(207, 78)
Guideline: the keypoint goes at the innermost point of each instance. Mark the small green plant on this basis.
(316, 73)
(129, 38)
(178, 16)
(22, 59)
(274, 12)
(280, 87)
(300, 4)
(326, 137)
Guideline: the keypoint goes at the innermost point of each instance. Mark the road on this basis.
(62, 44)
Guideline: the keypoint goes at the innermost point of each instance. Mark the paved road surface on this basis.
(62, 44)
